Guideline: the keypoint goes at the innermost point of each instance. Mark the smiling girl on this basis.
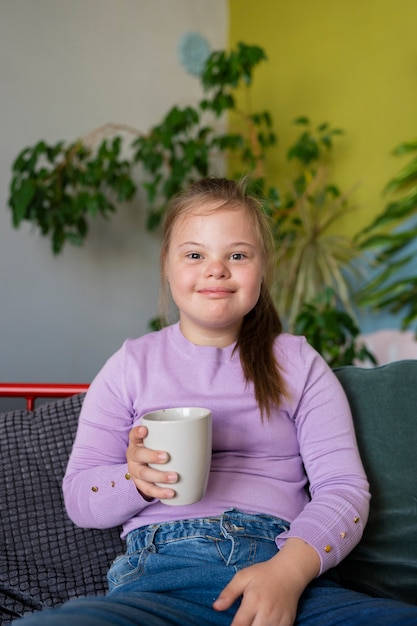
(287, 497)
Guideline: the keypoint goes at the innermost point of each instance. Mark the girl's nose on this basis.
(217, 269)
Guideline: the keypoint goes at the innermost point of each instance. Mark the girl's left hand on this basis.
(266, 599)
(270, 590)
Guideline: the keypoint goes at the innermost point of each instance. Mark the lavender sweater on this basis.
(258, 467)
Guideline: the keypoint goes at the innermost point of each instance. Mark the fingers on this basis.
(264, 601)
(229, 594)
(138, 434)
(139, 460)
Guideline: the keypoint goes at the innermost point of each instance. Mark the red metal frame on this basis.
(32, 391)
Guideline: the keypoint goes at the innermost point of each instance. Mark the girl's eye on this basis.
(194, 255)
(237, 256)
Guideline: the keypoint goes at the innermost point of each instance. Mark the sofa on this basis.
(46, 560)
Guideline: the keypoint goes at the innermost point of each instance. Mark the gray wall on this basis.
(66, 68)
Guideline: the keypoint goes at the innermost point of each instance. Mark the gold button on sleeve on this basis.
(127, 476)
(94, 489)
(343, 534)
(327, 548)
(356, 520)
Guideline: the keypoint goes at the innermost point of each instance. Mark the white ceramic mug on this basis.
(186, 434)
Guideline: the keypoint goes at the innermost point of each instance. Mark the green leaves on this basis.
(331, 331)
(393, 236)
(24, 194)
(407, 176)
(185, 144)
(309, 255)
(172, 153)
(309, 146)
(228, 70)
(59, 187)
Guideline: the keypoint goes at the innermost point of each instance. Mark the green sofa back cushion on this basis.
(384, 406)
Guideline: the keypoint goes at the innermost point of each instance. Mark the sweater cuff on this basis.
(333, 534)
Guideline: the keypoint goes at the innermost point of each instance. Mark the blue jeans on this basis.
(172, 573)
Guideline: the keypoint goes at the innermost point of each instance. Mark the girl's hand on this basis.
(268, 599)
(138, 457)
(271, 590)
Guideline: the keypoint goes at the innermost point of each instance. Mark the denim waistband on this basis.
(231, 523)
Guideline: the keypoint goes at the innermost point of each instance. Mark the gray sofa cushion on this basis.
(384, 407)
(44, 559)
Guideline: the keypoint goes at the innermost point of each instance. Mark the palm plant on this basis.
(310, 254)
(393, 235)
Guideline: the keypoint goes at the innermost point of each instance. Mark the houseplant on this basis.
(60, 187)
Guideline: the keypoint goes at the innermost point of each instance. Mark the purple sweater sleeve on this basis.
(98, 492)
(333, 520)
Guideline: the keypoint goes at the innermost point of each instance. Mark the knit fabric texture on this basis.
(44, 559)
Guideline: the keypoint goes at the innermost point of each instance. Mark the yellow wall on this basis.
(352, 63)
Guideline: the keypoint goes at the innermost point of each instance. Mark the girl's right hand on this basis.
(138, 459)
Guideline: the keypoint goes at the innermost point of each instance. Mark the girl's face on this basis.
(214, 268)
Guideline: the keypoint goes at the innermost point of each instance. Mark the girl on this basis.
(287, 497)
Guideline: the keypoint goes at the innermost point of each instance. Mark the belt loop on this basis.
(141, 538)
(150, 536)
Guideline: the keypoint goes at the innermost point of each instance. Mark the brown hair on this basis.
(262, 324)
